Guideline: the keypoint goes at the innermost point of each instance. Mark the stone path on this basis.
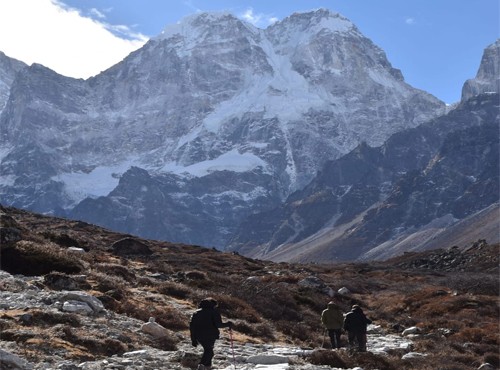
(19, 294)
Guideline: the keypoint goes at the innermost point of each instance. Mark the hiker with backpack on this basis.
(355, 324)
(332, 319)
(204, 328)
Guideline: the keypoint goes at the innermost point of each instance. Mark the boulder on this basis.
(94, 303)
(13, 362)
(154, 329)
(130, 246)
(77, 307)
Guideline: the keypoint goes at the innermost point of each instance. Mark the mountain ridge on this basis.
(239, 101)
(365, 186)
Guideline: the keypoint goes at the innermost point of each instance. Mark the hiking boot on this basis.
(201, 367)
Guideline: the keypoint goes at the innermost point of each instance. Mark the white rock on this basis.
(412, 330)
(77, 250)
(138, 353)
(344, 291)
(375, 329)
(92, 301)
(486, 366)
(154, 329)
(77, 307)
(267, 359)
(413, 355)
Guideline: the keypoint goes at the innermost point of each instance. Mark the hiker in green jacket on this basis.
(333, 319)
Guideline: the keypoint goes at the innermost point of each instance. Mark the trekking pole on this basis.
(232, 347)
(323, 341)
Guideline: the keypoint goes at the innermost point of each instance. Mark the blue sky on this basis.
(437, 44)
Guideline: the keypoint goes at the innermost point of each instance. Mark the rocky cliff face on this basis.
(8, 69)
(223, 119)
(488, 75)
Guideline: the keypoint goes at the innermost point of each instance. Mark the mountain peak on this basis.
(487, 79)
(319, 19)
(195, 25)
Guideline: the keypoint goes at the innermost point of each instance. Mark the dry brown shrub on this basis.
(64, 240)
(94, 344)
(165, 316)
(105, 282)
(173, 289)
(171, 318)
(466, 360)
(199, 280)
(473, 283)
(473, 335)
(120, 271)
(33, 259)
(273, 302)
(196, 275)
(372, 361)
(160, 266)
(50, 318)
(425, 345)
(294, 330)
(165, 343)
(279, 278)
(324, 357)
(261, 331)
(145, 281)
(234, 307)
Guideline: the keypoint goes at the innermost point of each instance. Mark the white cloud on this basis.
(410, 21)
(49, 33)
(258, 20)
(97, 13)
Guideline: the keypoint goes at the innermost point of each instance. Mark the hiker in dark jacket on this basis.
(332, 319)
(204, 327)
(355, 324)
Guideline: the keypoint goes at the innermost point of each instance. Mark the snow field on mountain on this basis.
(230, 161)
(96, 183)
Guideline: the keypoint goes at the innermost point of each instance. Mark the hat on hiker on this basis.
(207, 303)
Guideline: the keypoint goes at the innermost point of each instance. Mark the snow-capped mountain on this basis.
(211, 121)
(406, 195)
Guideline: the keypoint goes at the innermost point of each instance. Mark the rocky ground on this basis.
(23, 301)
(75, 296)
